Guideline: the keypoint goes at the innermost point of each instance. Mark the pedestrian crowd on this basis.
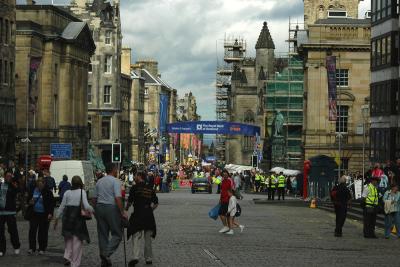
(107, 207)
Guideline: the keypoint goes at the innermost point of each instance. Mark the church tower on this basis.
(265, 48)
(320, 9)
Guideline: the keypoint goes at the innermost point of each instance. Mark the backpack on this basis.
(333, 193)
(238, 210)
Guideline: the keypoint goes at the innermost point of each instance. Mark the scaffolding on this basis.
(234, 53)
(284, 93)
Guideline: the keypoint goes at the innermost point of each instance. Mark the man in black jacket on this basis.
(341, 197)
(8, 197)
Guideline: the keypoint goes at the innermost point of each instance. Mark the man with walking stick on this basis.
(142, 223)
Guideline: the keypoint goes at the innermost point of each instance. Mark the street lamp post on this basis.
(365, 114)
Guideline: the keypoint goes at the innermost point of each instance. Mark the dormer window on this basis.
(337, 14)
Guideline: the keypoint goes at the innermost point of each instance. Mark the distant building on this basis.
(159, 105)
(336, 32)
(186, 109)
(105, 93)
(54, 49)
(7, 79)
(385, 95)
(240, 95)
(136, 107)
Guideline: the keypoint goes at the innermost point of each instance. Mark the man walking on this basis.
(8, 198)
(271, 187)
(370, 195)
(49, 181)
(142, 223)
(341, 197)
(109, 213)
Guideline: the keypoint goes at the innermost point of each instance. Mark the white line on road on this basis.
(213, 257)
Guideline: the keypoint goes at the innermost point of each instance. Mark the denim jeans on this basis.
(390, 220)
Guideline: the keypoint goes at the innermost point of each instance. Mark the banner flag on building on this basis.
(332, 89)
(164, 99)
(33, 88)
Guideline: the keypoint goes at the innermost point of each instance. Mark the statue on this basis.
(278, 123)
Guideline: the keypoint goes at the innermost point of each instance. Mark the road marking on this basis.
(213, 257)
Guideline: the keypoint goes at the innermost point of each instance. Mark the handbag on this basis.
(29, 210)
(238, 210)
(214, 212)
(85, 214)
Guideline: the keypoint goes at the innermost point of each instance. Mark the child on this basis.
(232, 209)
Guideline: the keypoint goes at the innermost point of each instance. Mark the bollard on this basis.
(313, 204)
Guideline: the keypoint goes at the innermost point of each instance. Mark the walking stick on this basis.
(123, 236)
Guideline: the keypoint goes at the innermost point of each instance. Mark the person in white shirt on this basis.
(232, 209)
(74, 228)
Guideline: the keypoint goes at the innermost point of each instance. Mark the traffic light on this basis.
(254, 161)
(116, 153)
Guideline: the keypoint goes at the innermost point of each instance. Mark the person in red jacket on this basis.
(226, 184)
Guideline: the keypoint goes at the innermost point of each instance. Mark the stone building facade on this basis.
(385, 104)
(318, 9)
(186, 109)
(156, 88)
(54, 49)
(348, 39)
(246, 98)
(136, 106)
(104, 87)
(7, 79)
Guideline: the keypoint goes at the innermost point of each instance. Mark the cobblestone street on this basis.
(275, 235)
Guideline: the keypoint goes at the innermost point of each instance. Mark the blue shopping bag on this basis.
(213, 213)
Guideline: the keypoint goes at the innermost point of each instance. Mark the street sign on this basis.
(61, 151)
(116, 153)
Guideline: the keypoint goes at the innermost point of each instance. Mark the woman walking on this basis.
(74, 229)
(391, 200)
(43, 203)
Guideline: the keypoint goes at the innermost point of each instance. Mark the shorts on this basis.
(223, 210)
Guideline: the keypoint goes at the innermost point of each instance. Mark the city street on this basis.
(277, 235)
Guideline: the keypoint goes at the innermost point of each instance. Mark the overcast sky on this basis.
(184, 36)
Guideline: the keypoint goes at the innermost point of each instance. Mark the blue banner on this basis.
(164, 99)
(213, 127)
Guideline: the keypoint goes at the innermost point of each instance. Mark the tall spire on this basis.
(265, 39)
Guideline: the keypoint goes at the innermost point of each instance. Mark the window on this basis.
(107, 64)
(90, 67)
(90, 126)
(248, 143)
(384, 50)
(342, 119)
(146, 91)
(6, 29)
(1, 30)
(383, 9)
(342, 77)
(384, 98)
(381, 145)
(89, 94)
(11, 79)
(5, 72)
(108, 37)
(106, 128)
(107, 94)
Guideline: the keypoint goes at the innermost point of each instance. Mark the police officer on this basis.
(281, 186)
(271, 187)
(370, 197)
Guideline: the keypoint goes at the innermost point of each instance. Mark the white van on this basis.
(71, 168)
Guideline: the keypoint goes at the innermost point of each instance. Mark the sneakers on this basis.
(1, 254)
(224, 229)
(17, 251)
(230, 232)
(30, 252)
(41, 252)
(132, 263)
(241, 228)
